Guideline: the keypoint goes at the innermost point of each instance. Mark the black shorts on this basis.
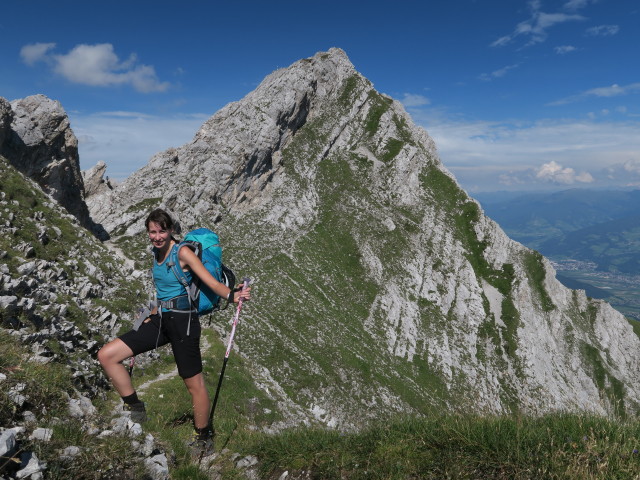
(170, 328)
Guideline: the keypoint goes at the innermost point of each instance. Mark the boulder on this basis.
(94, 180)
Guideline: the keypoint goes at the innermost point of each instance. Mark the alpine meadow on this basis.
(394, 330)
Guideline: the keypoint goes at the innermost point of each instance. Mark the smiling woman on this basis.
(174, 321)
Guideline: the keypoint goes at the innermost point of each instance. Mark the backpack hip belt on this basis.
(181, 303)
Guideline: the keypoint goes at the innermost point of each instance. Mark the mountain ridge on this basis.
(381, 288)
(359, 211)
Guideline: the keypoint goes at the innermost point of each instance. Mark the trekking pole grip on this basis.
(245, 283)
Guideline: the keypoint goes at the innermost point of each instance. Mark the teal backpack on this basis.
(206, 245)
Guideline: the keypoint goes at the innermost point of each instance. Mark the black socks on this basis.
(131, 399)
(205, 431)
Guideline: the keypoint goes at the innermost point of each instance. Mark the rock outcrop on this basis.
(41, 144)
(6, 117)
(381, 286)
(94, 181)
(59, 294)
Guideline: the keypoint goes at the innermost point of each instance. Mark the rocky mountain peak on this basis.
(237, 153)
(383, 286)
(37, 139)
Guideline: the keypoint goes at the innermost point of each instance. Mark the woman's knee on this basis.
(195, 384)
(113, 352)
(103, 355)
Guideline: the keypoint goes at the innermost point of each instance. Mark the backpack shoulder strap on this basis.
(174, 263)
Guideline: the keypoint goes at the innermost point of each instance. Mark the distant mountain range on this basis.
(589, 225)
(592, 236)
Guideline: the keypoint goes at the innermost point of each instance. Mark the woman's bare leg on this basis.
(199, 398)
(111, 357)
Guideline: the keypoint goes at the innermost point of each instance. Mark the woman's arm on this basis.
(189, 259)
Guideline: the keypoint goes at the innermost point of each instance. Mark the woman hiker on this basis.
(180, 328)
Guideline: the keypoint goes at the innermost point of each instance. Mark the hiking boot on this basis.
(201, 444)
(138, 412)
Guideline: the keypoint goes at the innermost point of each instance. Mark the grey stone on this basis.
(41, 434)
(149, 445)
(8, 302)
(16, 396)
(81, 407)
(69, 453)
(6, 117)
(248, 461)
(157, 467)
(7, 442)
(33, 469)
(29, 417)
(94, 181)
(27, 268)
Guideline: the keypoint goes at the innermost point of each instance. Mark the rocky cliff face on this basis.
(381, 287)
(35, 136)
(63, 294)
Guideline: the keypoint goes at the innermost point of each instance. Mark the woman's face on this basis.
(160, 238)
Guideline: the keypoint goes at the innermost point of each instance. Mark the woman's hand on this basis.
(241, 293)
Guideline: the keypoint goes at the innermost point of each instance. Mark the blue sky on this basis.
(518, 95)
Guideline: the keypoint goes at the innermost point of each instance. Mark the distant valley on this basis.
(591, 236)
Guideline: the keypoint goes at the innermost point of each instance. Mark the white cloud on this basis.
(486, 153)
(564, 49)
(536, 26)
(501, 72)
(126, 141)
(603, 30)
(556, 173)
(614, 90)
(413, 100)
(626, 173)
(35, 52)
(632, 166)
(96, 65)
(578, 4)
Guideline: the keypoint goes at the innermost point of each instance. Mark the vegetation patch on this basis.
(609, 386)
(379, 105)
(145, 205)
(537, 274)
(458, 446)
(349, 87)
(392, 149)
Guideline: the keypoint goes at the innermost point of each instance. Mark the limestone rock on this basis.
(327, 188)
(6, 117)
(94, 181)
(42, 145)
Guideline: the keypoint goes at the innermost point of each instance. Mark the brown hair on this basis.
(160, 217)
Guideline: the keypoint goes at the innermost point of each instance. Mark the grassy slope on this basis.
(314, 296)
(463, 447)
(324, 270)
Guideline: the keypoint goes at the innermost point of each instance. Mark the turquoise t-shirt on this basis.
(167, 285)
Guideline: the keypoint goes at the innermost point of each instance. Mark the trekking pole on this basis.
(132, 362)
(236, 317)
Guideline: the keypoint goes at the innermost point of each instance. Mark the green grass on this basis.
(462, 447)
(536, 272)
(379, 106)
(45, 387)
